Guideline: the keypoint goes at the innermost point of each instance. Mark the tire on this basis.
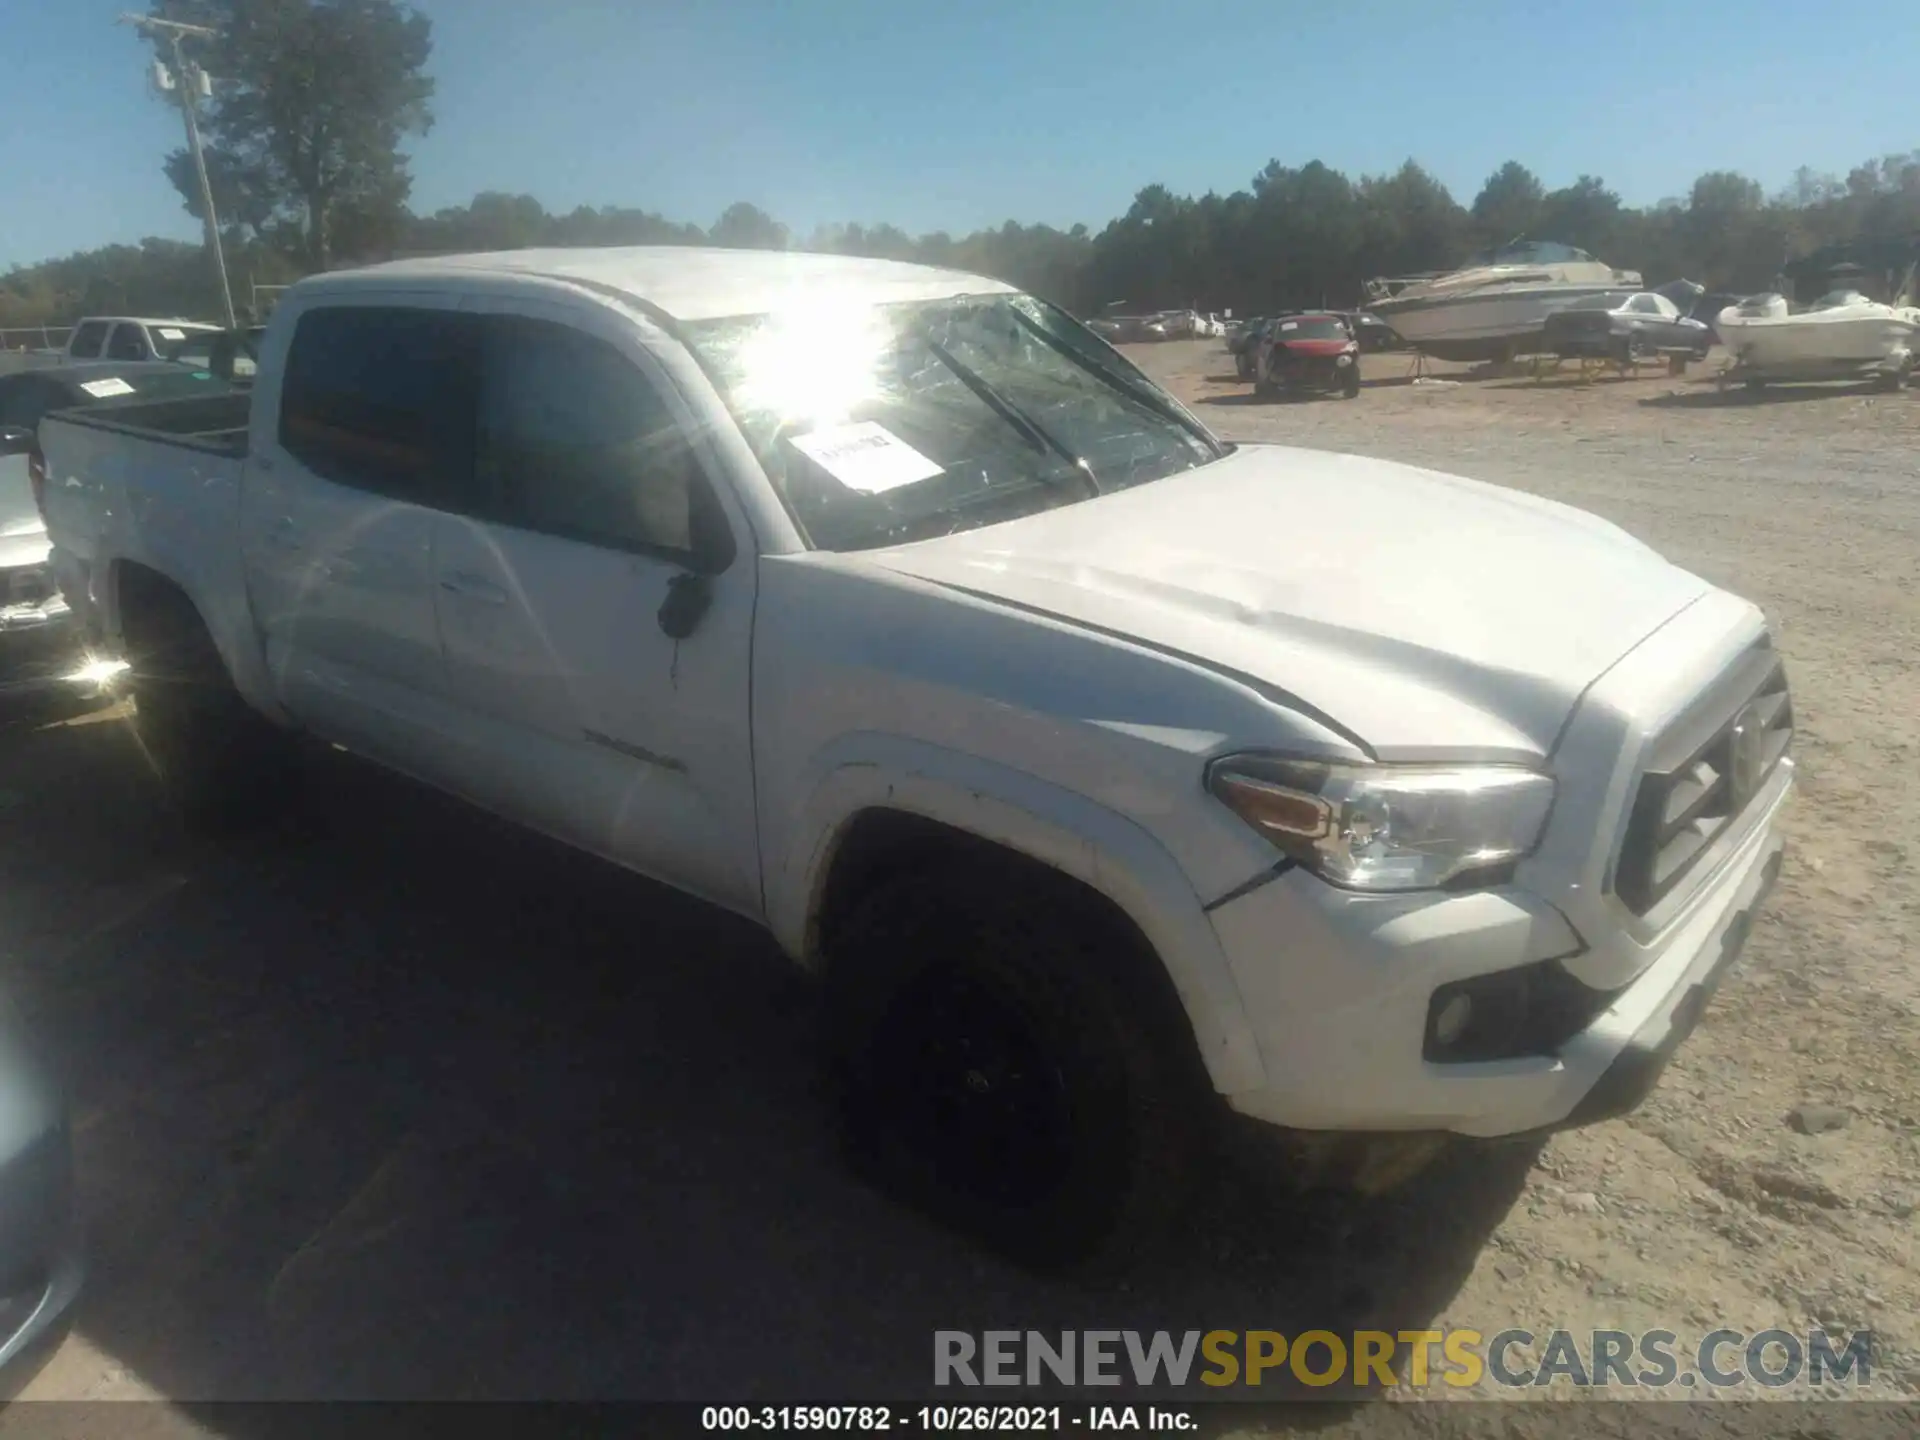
(1350, 386)
(222, 765)
(1243, 366)
(993, 1068)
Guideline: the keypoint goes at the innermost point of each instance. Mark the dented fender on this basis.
(1104, 850)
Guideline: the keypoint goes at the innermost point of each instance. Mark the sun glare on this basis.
(812, 364)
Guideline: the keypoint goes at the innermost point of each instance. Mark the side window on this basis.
(382, 398)
(87, 340)
(128, 343)
(1644, 305)
(575, 441)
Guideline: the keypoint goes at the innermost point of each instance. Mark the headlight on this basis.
(1344, 360)
(1387, 827)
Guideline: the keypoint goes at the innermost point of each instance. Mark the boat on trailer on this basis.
(1496, 305)
(1843, 335)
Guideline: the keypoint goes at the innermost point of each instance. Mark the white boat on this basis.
(1842, 333)
(1496, 305)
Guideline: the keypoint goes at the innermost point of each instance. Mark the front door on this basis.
(595, 530)
(374, 429)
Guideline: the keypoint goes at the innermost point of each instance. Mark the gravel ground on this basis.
(397, 1103)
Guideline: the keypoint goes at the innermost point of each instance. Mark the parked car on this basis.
(1246, 356)
(1623, 325)
(230, 355)
(116, 337)
(35, 619)
(1307, 353)
(1240, 345)
(1004, 699)
(1372, 332)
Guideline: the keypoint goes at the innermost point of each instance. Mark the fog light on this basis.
(1451, 1023)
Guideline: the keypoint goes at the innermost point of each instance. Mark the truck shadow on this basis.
(396, 1102)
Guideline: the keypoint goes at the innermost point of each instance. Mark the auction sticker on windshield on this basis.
(866, 457)
(106, 389)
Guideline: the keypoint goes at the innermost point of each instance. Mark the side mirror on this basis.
(15, 440)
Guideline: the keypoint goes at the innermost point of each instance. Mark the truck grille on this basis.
(1707, 768)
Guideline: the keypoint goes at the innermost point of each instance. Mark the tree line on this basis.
(315, 99)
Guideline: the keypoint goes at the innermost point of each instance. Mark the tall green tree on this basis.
(747, 227)
(312, 99)
(1508, 205)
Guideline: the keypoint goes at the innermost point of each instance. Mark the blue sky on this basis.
(960, 115)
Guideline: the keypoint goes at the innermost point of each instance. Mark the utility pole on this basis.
(186, 80)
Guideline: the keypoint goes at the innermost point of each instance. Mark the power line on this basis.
(189, 82)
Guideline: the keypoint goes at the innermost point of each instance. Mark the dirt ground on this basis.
(397, 1103)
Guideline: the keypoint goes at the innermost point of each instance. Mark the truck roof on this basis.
(687, 282)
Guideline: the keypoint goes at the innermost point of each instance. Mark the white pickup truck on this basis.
(1116, 781)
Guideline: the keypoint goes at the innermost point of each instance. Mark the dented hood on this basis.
(1425, 615)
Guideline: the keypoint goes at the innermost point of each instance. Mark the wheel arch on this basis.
(875, 815)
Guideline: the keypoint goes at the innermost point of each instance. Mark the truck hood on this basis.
(1422, 615)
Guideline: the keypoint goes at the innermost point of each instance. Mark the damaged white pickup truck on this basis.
(1115, 780)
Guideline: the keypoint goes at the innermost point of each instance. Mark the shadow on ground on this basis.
(1712, 398)
(394, 1101)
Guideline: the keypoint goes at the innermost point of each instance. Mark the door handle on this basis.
(473, 587)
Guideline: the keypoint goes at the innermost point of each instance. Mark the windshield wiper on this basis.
(1031, 429)
(1144, 394)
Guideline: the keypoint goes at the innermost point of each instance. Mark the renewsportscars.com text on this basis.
(1460, 1359)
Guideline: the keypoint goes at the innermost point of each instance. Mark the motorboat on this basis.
(1496, 305)
(1842, 333)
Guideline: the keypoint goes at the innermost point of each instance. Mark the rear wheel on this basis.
(994, 1069)
(221, 763)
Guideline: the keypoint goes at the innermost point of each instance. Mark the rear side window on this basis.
(382, 398)
(128, 343)
(575, 441)
(87, 340)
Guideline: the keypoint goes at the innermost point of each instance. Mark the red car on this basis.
(1309, 352)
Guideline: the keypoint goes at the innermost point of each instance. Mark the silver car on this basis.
(34, 616)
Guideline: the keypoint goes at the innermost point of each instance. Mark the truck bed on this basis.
(216, 423)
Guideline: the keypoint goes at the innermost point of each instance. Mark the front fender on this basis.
(1104, 850)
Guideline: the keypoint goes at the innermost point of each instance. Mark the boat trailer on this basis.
(1887, 374)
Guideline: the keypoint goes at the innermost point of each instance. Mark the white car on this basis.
(1112, 778)
(127, 337)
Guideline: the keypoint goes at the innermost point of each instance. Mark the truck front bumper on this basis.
(1340, 989)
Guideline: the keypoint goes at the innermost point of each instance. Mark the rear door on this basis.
(595, 515)
(372, 430)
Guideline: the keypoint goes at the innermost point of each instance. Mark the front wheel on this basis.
(1350, 383)
(993, 1069)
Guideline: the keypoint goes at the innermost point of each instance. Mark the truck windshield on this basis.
(880, 424)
